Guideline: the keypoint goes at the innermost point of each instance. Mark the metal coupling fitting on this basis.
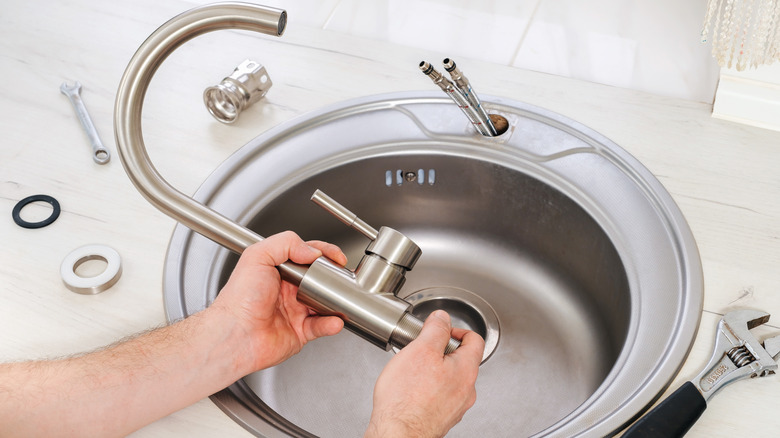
(248, 84)
(436, 77)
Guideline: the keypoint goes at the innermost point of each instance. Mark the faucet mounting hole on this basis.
(500, 122)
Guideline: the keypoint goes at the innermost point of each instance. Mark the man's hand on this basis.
(422, 392)
(276, 325)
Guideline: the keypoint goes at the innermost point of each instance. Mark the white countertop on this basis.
(725, 177)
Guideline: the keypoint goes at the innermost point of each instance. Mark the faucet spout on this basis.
(127, 119)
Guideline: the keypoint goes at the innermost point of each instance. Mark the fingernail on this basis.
(442, 315)
(314, 250)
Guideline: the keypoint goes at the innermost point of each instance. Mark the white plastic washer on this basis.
(98, 283)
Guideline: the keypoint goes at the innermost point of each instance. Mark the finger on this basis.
(277, 249)
(472, 346)
(435, 332)
(330, 251)
(304, 253)
(319, 326)
(458, 332)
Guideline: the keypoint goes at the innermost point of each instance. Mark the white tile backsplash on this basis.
(490, 31)
(652, 46)
(313, 13)
(648, 46)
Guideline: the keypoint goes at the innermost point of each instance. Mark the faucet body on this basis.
(365, 298)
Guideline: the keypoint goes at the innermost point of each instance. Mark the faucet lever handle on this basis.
(343, 214)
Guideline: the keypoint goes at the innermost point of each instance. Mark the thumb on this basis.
(436, 331)
(318, 326)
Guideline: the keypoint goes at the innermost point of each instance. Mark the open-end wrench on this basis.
(99, 153)
(737, 355)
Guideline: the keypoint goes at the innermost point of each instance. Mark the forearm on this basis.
(255, 322)
(119, 389)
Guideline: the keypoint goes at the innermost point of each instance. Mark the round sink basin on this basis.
(556, 245)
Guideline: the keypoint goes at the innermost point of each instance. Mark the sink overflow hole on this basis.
(400, 176)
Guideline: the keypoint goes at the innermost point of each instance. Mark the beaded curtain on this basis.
(743, 32)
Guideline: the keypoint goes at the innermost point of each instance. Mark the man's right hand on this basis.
(423, 393)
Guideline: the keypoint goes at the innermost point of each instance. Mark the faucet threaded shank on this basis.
(407, 330)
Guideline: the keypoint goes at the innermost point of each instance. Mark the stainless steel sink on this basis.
(550, 240)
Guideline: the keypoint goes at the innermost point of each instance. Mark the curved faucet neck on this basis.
(129, 105)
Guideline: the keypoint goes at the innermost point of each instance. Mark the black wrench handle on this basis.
(672, 417)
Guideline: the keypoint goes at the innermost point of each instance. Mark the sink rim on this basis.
(685, 331)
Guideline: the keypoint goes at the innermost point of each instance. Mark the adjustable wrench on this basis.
(99, 153)
(737, 355)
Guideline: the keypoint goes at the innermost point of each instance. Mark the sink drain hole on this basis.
(463, 315)
(466, 309)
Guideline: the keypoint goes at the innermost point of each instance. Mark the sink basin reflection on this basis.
(549, 238)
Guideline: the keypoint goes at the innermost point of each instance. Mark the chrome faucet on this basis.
(365, 299)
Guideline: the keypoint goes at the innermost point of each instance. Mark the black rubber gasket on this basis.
(34, 198)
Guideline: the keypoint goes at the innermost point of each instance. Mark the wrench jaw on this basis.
(737, 354)
(70, 90)
(772, 346)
